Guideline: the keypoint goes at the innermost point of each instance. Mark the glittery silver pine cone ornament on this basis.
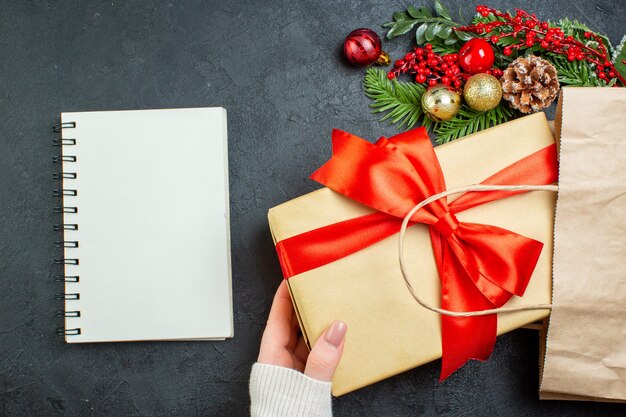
(530, 84)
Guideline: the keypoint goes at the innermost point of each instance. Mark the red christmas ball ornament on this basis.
(363, 47)
(476, 56)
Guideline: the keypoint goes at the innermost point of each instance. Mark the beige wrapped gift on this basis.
(388, 332)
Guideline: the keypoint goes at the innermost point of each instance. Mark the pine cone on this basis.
(530, 84)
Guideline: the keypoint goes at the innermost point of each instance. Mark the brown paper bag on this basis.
(585, 354)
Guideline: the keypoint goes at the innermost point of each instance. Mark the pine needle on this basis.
(401, 100)
(470, 121)
(575, 73)
(402, 104)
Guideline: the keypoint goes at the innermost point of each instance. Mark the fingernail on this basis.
(336, 333)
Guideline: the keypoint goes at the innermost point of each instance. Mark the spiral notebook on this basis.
(144, 200)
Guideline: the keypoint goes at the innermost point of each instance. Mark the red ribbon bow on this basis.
(480, 266)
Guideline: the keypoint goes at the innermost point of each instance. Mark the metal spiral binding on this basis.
(66, 278)
(63, 313)
(64, 142)
(61, 159)
(61, 193)
(65, 226)
(68, 332)
(65, 210)
(64, 176)
(66, 243)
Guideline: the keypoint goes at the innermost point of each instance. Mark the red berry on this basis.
(544, 25)
(571, 57)
(457, 83)
(507, 51)
(587, 35)
(362, 47)
(531, 24)
(420, 78)
(444, 66)
(409, 56)
(612, 74)
(391, 76)
(427, 71)
(429, 47)
(570, 38)
(488, 72)
(600, 68)
(544, 44)
(476, 56)
(445, 80)
(602, 75)
(432, 82)
(580, 56)
(495, 39)
(529, 42)
(432, 63)
(449, 73)
(607, 64)
(422, 64)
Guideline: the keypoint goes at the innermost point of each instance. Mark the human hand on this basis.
(282, 344)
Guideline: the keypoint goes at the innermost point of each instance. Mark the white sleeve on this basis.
(276, 391)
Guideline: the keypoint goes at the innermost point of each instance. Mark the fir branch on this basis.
(574, 73)
(403, 103)
(619, 58)
(470, 121)
(401, 100)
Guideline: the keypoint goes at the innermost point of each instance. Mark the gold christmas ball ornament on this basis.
(440, 103)
(482, 92)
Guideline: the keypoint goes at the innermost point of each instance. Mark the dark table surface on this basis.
(276, 67)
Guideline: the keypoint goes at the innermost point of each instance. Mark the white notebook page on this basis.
(152, 199)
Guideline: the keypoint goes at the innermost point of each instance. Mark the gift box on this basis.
(332, 278)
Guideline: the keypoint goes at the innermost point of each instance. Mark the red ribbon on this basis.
(480, 266)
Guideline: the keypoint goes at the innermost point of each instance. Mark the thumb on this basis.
(326, 353)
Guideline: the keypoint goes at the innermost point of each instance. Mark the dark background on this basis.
(276, 67)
